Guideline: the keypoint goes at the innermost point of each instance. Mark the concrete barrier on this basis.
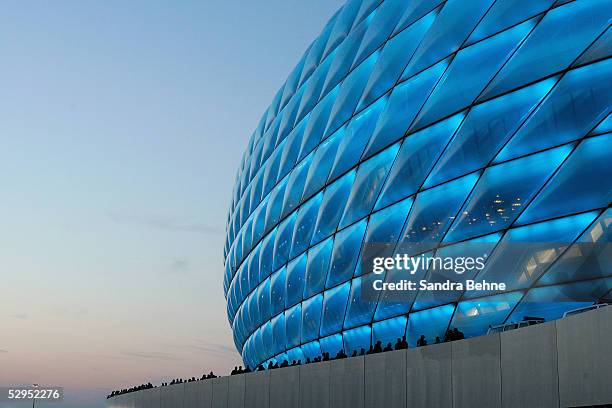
(315, 384)
(237, 386)
(529, 367)
(347, 388)
(584, 344)
(476, 371)
(385, 379)
(563, 363)
(173, 396)
(285, 388)
(198, 394)
(257, 392)
(428, 376)
(220, 392)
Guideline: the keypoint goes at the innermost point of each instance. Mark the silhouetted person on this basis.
(362, 351)
(325, 356)
(370, 350)
(421, 341)
(388, 347)
(448, 336)
(354, 353)
(285, 364)
(404, 343)
(437, 340)
(458, 334)
(378, 347)
(307, 360)
(398, 344)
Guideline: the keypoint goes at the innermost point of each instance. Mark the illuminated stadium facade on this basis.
(428, 122)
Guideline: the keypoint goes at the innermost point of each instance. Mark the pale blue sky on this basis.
(121, 127)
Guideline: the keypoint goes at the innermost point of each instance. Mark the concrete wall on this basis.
(557, 364)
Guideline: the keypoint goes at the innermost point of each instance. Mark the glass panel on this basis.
(590, 257)
(295, 355)
(293, 80)
(268, 340)
(385, 225)
(295, 185)
(389, 331)
(317, 267)
(360, 310)
(430, 323)
(345, 253)
(311, 350)
(386, 17)
(434, 210)
(417, 155)
(454, 23)
(414, 11)
(551, 302)
(333, 203)
(570, 111)
(279, 334)
(526, 252)
(296, 271)
(263, 295)
(552, 47)
(321, 164)
(343, 57)
(342, 25)
(505, 13)
(291, 149)
(283, 241)
(600, 49)
(334, 306)
(470, 71)
(480, 247)
(311, 318)
(313, 89)
(394, 302)
(293, 324)
(578, 185)
(267, 255)
(405, 101)
(349, 94)
(604, 127)
(278, 282)
(474, 317)
(289, 114)
(356, 135)
(271, 171)
(503, 191)
(331, 344)
(357, 339)
(370, 176)
(485, 130)
(393, 59)
(316, 123)
(305, 225)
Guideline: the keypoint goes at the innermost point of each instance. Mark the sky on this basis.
(122, 124)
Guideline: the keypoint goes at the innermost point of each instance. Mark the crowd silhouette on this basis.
(400, 344)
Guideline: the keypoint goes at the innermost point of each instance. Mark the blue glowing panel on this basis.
(430, 127)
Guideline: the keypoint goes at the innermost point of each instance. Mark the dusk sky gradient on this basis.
(122, 126)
